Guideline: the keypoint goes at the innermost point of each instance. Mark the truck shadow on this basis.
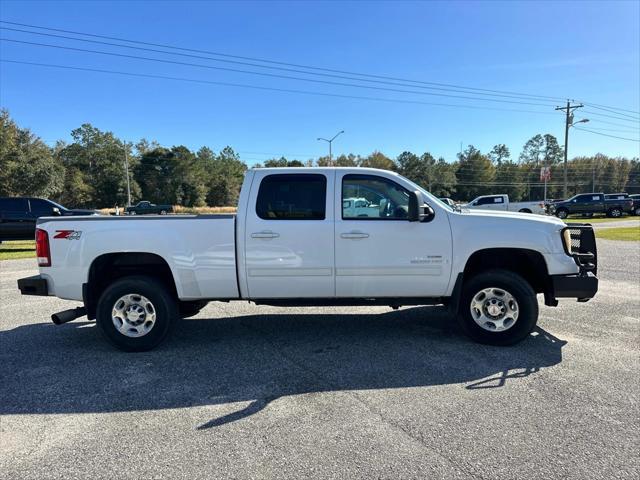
(255, 358)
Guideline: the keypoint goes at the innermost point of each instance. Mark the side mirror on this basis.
(55, 211)
(419, 211)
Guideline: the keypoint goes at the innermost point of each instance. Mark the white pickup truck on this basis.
(501, 202)
(296, 242)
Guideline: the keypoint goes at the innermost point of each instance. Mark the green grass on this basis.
(17, 249)
(628, 234)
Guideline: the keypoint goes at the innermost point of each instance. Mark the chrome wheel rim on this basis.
(494, 309)
(133, 315)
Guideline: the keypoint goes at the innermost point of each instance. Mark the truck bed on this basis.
(199, 249)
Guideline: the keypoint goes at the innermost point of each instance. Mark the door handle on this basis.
(265, 234)
(354, 235)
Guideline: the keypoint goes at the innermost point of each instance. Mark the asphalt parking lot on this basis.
(257, 392)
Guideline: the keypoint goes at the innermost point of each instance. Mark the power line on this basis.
(605, 107)
(606, 135)
(263, 66)
(308, 67)
(613, 123)
(633, 117)
(619, 130)
(598, 114)
(263, 74)
(273, 89)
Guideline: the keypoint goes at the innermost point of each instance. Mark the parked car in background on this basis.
(148, 208)
(18, 215)
(448, 201)
(359, 207)
(501, 202)
(636, 203)
(590, 203)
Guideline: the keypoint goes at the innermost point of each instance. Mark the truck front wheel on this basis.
(136, 313)
(498, 307)
(562, 213)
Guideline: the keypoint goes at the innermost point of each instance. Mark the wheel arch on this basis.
(108, 267)
(529, 264)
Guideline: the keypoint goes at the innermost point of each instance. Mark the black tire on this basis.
(562, 213)
(512, 283)
(192, 308)
(614, 213)
(524, 210)
(164, 307)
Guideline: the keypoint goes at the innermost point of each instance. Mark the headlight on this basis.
(566, 238)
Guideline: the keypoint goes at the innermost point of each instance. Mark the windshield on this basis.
(431, 197)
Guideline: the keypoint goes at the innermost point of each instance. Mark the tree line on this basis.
(90, 171)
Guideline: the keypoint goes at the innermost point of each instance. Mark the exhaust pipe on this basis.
(68, 315)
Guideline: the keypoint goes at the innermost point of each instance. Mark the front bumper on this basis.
(35, 285)
(583, 286)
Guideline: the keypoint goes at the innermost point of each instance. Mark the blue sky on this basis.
(589, 51)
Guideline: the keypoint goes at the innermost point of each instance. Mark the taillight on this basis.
(43, 252)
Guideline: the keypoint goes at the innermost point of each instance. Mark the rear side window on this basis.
(489, 200)
(14, 205)
(292, 197)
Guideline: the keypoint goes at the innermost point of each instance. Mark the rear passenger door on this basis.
(590, 203)
(289, 248)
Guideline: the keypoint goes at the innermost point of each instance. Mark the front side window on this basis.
(41, 208)
(369, 197)
(292, 197)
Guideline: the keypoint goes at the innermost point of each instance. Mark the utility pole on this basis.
(330, 142)
(568, 122)
(126, 169)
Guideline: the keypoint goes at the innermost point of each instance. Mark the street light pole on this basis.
(330, 142)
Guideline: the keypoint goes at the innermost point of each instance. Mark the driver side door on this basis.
(378, 252)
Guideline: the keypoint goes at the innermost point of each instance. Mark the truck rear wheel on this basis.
(615, 213)
(136, 313)
(498, 307)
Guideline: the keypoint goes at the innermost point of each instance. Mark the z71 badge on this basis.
(68, 234)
